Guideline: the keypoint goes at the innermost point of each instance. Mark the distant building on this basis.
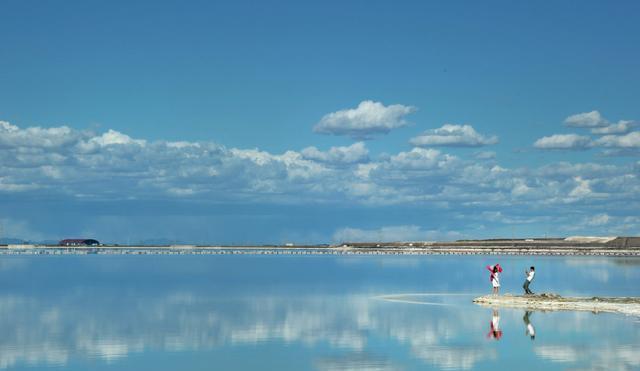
(79, 242)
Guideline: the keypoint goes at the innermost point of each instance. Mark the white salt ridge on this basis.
(589, 239)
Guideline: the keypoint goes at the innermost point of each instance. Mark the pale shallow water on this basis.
(252, 312)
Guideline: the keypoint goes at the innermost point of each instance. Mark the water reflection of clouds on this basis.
(383, 260)
(73, 327)
(55, 330)
(593, 357)
(433, 338)
(454, 357)
(600, 268)
(559, 353)
(12, 263)
(108, 350)
(42, 354)
(68, 328)
(355, 361)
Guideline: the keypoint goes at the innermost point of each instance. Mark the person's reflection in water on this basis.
(495, 331)
(530, 331)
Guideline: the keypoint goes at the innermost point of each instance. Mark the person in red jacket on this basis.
(495, 277)
(494, 326)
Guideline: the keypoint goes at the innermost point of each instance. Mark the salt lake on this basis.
(248, 312)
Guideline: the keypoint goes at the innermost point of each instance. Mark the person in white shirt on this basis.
(530, 274)
(530, 331)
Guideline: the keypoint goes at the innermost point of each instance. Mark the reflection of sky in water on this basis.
(327, 313)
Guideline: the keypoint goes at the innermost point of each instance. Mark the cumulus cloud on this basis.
(110, 138)
(582, 189)
(563, 141)
(631, 140)
(12, 136)
(591, 119)
(454, 136)
(612, 135)
(364, 121)
(622, 127)
(67, 164)
(79, 163)
(354, 153)
(421, 158)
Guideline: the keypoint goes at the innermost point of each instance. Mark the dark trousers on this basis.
(526, 287)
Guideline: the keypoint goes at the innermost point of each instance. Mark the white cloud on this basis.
(499, 217)
(421, 158)
(118, 167)
(80, 163)
(354, 153)
(112, 137)
(631, 140)
(7, 127)
(12, 136)
(598, 220)
(582, 188)
(562, 170)
(623, 126)
(563, 141)
(520, 188)
(591, 119)
(391, 233)
(623, 145)
(367, 119)
(454, 136)
(485, 155)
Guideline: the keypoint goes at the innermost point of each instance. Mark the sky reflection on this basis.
(92, 324)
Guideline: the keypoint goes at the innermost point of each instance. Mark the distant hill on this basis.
(19, 241)
(12, 241)
(147, 242)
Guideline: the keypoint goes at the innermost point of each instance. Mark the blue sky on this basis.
(255, 122)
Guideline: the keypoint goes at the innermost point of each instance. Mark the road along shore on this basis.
(552, 302)
(380, 249)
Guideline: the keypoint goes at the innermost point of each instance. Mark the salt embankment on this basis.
(552, 302)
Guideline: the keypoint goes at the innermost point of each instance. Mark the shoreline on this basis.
(396, 249)
(550, 302)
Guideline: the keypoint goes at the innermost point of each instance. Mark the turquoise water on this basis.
(249, 312)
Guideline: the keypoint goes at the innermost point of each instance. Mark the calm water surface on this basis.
(253, 312)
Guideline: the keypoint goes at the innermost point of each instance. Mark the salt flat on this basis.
(552, 302)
